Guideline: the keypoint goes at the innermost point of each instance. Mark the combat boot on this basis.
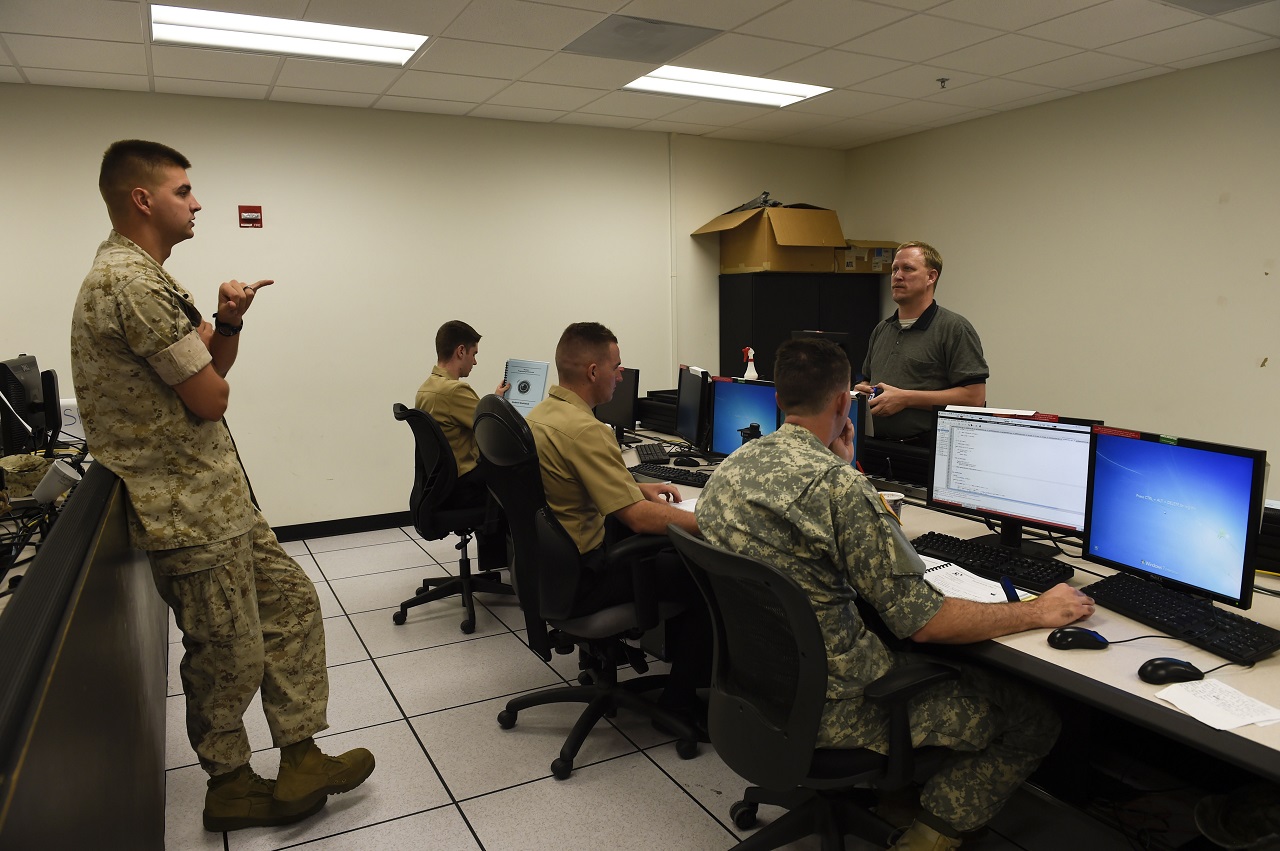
(921, 837)
(306, 773)
(241, 799)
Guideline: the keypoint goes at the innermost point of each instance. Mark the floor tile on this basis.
(357, 539)
(295, 548)
(382, 590)
(360, 561)
(429, 625)
(309, 567)
(411, 532)
(329, 605)
(445, 550)
(177, 750)
(341, 643)
(455, 674)
(184, 804)
(590, 811)
(441, 829)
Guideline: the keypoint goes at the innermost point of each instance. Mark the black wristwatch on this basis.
(225, 328)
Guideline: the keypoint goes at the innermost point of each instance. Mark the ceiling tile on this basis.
(209, 88)
(522, 24)
(786, 121)
(836, 69)
(401, 104)
(1050, 94)
(87, 79)
(744, 54)
(478, 59)
(918, 112)
(1184, 42)
(1003, 54)
(77, 54)
(1110, 22)
(961, 117)
(842, 134)
(913, 5)
(515, 113)
(588, 119)
(915, 81)
(1256, 47)
(338, 76)
(110, 20)
(1011, 15)
(919, 38)
(216, 65)
(606, 6)
(1263, 18)
(823, 22)
(319, 96)
(990, 92)
(716, 113)
(635, 105)
(1121, 79)
(662, 125)
(404, 16)
(545, 96)
(9, 74)
(843, 103)
(573, 69)
(1072, 72)
(716, 14)
(267, 8)
(741, 134)
(429, 84)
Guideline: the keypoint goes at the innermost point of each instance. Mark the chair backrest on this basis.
(435, 471)
(559, 567)
(507, 445)
(769, 677)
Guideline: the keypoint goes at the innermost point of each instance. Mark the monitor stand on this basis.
(1010, 538)
(624, 439)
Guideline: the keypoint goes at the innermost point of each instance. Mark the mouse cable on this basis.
(1229, 664)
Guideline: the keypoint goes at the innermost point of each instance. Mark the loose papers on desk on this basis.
(951, 580)
(1217, 704)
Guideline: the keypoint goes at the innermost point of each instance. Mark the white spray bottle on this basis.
(749, 355)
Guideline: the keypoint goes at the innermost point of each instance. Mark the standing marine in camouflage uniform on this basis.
(149, 375)
(792, 500)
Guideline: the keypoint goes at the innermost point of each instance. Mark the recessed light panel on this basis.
(713, 85)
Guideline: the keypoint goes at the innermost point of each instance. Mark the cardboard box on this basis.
(777, 239)
(873, 256)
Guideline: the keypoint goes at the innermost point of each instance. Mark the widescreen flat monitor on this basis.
(840, 338)
(21, 385)
(1017, 471)
(620, 411)
(1183, 513)
(736, 403)
(693, 407)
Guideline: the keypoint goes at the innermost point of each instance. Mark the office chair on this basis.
(545, 571)
(768, 689)
(434, 477)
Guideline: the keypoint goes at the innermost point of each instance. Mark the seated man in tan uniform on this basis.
(452, 404)
(587, 483)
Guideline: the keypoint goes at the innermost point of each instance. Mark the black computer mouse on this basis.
(685, 461)
(1163, 670)
(1076, 638)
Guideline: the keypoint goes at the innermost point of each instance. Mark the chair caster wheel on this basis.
(506, 719)
(468, 626)
(398, 617)
(562, 768)
(585, 678)
(686, 748)
(743, 815)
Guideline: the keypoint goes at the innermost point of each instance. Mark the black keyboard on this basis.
(677, 475)
(652, 453)
(1197, 622)
(1029, 572)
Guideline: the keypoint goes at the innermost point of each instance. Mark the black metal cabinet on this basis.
(761, 309)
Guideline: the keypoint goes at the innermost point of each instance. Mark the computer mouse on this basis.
(1076, 638)
(685, 461)
(1163, 670)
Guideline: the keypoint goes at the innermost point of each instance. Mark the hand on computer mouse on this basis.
(1162, 670)
(1076, 638)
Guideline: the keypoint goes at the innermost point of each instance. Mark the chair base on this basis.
(464, 584)
(603, 699)
(831, 815)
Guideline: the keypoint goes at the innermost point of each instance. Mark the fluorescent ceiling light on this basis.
(691, 82)
(254, 34)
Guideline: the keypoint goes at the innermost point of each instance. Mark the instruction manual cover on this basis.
(528, 380)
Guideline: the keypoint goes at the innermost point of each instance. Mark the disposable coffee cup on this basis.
(56, 482)
(894, 500)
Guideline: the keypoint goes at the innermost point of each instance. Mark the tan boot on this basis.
(306, 773)
(241, 799)
(921, 837)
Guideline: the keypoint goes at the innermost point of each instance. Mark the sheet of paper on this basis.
(1219, 705)
(954, 581)
(689, 503)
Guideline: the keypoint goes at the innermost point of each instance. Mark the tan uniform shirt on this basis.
(582, 469)
(132, 337)
(452, 404)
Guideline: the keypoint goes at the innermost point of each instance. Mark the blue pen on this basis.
(1010, 593)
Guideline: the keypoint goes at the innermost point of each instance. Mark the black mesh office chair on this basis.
(545, 570)
(435, 474)
(768, 690)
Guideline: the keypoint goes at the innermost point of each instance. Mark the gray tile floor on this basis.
(424, 698)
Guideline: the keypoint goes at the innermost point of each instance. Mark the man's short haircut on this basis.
(932, 259)
(131, 163)
(581, 343)
(807, 372)
(452, 334)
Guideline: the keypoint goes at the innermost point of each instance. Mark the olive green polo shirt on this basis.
(583, 473)
(452, 404)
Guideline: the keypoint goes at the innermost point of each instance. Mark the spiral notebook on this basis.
(528, 380)
(952, 580)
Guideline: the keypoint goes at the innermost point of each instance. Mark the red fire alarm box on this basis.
(250, 217)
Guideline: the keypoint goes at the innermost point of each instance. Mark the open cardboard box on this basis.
(873, 256)
(777, 239)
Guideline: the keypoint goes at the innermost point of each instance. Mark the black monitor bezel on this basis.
(1254, 524)
(1011, 534)
(687, 378)
(732, 379)
(620, 411)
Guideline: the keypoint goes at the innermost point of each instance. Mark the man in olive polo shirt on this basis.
(594, 497)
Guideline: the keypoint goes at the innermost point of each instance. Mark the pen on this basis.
(1010, 593)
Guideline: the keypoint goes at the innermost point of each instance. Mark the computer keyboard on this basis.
(1197, 622)
(1029, 572)
(676, 475)
(652, 453)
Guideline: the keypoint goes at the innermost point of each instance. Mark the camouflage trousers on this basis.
(250, 620)
(997, 731)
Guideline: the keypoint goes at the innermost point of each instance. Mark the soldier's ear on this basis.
(140, 199)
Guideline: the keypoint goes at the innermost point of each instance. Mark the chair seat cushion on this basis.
(449, 521)
(614, 620)
(839, 764)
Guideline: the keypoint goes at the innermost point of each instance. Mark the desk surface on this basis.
(1108, 678)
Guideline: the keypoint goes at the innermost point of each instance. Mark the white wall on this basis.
(1117, 250)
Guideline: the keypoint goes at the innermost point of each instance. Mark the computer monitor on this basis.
(1183, 513)
(736, 404)
(1017, 471)
(840, 338)
(620, 411)
(22, 418)
(693, 407)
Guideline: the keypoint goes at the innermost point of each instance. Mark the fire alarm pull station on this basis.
(250, 217)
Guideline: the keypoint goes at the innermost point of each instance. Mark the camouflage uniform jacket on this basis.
(794, 504)
(132, 338)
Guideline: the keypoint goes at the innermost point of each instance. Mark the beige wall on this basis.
(1117, 251)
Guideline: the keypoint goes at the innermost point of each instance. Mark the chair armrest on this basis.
(636, 554)
(892, 692)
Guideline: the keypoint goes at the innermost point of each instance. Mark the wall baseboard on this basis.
(346, 526)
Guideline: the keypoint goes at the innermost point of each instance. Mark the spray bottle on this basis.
(749, 356)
